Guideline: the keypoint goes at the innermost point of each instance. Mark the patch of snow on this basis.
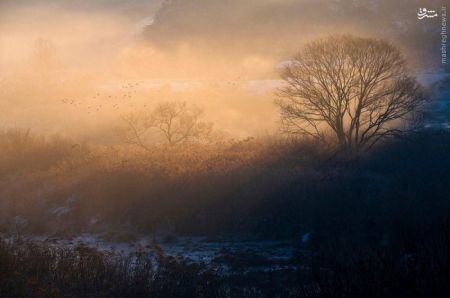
(60, 211)
(194, 249)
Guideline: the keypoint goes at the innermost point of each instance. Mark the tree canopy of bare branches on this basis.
(348, 91)
(176, 122)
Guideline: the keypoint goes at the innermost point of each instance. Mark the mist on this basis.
(75, 67)
(224, 148)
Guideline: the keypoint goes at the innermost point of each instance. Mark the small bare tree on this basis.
(180, 123)
(135, 130)
(177, 122)
(349, 91)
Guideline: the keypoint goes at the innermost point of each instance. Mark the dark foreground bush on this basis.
(420, 267)
(37, 270)
(336, 269)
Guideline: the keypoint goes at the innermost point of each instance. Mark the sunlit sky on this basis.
(74, 67)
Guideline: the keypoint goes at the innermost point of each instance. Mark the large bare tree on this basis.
(348, 91)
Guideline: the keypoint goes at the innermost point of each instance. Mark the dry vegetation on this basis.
(379, 225)
(38, 270)
(146, 189)
(268, 187)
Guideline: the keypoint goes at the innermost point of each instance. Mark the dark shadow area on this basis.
(377, 226)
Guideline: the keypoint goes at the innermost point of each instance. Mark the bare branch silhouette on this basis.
(177, 122)
(348, 91)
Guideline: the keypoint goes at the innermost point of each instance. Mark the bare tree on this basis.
(348, 91)
(135, 130)
(177, 122)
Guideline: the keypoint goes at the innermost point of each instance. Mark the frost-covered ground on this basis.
(226, 254)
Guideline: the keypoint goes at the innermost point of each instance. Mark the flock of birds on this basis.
(122, 98)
